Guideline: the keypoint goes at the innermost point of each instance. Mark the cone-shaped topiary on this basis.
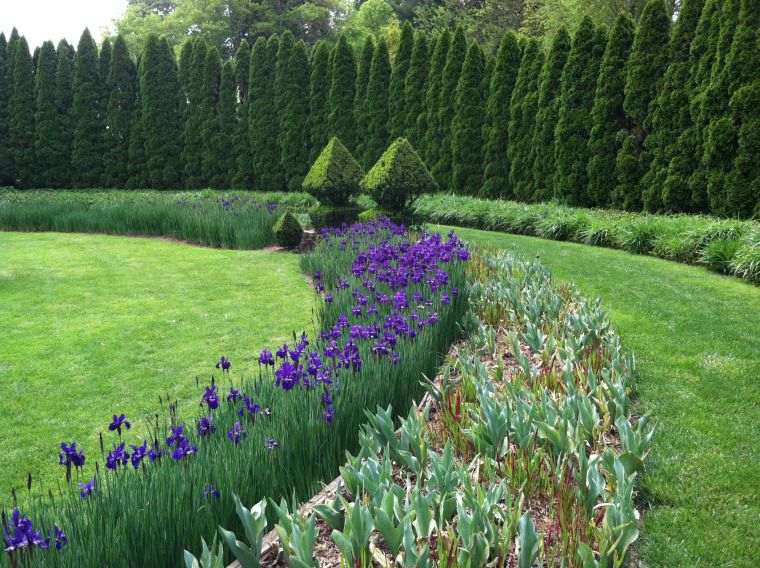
(398, 177)
(335, 175)
(288, 231)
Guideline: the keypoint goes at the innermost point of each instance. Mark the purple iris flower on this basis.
(176, 436)
(71, 456)
(211, 492)
(237, 433)
(20, 534)
(211, 397)
(139, 453)
(271, 444)
(463, 254)
(445, 298)
(155, 453)
(206, 426)
(60, 537)
(87, 489)
(250, 407)
(224, 364)
(266, 358)
(184, 449)
(117, 457)
(119, 422)
(329, 298)
(283, 351)
(234, 395)
(288, 375)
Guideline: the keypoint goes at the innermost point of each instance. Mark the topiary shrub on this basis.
(288, 231)
(335, 175)
(398, 177)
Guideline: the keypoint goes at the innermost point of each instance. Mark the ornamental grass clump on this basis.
(390, 307)
(335, 176)
(398, 177)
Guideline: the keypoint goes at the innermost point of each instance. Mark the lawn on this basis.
(695, 335)
(93, 325)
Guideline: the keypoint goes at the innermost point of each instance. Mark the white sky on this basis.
(40, 20)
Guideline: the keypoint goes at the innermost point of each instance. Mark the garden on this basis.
(407, 284)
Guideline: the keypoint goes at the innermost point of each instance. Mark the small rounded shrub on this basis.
(335, 175)
(288, 231)
(398, 177)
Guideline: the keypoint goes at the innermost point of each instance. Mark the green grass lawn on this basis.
(93, 325)
(696, 336)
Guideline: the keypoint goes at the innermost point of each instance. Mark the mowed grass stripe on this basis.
(93, 325)
(696, 336)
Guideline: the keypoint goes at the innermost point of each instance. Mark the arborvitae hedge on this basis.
(87, 116)
(335, 176)
(45, 115)
(192, 137)
(574, 123)
(453, 68)
(282, 75)
(136, 170)
(431, 146)
(226, 144)
(6, 162)
(467, 128)
(120, 109)
(342, 122)
(398, 177)
(414, 89)
(646, 65)
(360, 95)
(21, 115)
(506, 67)
(60, 135)
(522, 121)
(608, 117)
(263, 126)
(214, 174)
(242, 177)
(401, 64)
(319, 99)
(294, 141)
(376, 105)
(160, 97)
(669, 113)
(541, 155)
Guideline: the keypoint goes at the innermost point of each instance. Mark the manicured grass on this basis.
(93, 325)
(695, 335)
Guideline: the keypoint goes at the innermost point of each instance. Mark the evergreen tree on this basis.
(294, 135)
(467, 138)
(120, 109)
(541, 156)
(263, 127)
(669, 113)
(6, 163)
(21, 115)
(282, 74)
(646, 65)
(45, 115)
(377, 107)
(342, 122)
(138, 178)
(431, 146)
(243, 175)
(227, 143)
(161, 125)
(319, 99)
(193, 134)
(574, 122)
(86, 116)
(607, 116)
(506, 68)
(215, 169)
(400, 68)
(362, 79)
(414, 89)
(683, 165)
(522, 121)
(740, 77)
(451, 72)
(185, 67)
(60, 134)
(104, 71)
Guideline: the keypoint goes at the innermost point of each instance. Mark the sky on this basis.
(40, 20)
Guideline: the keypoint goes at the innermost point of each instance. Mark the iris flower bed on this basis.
(723, 245)
(390, 309)
(526, 454)
(240, 220)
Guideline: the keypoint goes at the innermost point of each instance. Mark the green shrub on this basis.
(719, 254)
(746, 262)
(335, 176)
(398, 177)
(371, 215)
(287, 231)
